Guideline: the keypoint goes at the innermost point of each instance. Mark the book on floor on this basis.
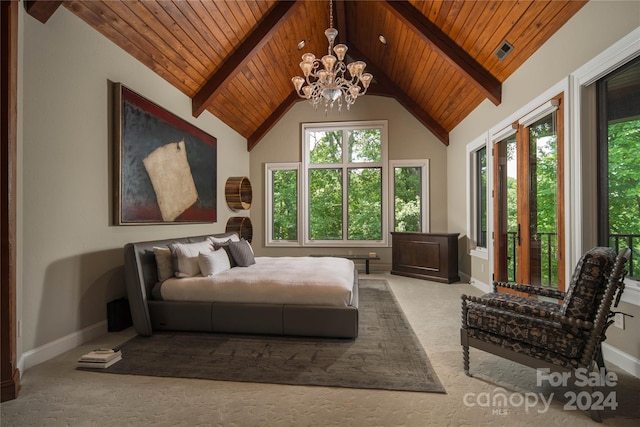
(98, 365)
(100, 358)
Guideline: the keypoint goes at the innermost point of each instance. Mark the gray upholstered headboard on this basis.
(141, 274)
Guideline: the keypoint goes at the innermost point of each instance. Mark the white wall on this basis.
(70, 255)
(408, 139)
(598, 25)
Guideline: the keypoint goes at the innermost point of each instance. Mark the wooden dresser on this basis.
(430, 256)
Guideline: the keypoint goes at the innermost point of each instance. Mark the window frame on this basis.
(424, 196)
(268, 179)
(345, 165)
(603, 165)
(473, 198)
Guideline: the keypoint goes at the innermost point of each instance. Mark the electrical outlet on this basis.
(619, 320)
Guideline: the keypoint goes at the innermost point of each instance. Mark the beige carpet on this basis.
(56, 394)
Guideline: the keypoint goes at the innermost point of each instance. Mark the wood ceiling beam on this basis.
(484, 81)
(389, 88)
(263, 32)
(42, 10)
(277, 114)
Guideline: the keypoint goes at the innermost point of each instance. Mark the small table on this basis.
(365, 258)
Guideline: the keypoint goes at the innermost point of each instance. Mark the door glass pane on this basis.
(325, 204)
(285, 204)
(507, 200)
(407, 192)
(543, 201)
(364, 204)
(325, 147)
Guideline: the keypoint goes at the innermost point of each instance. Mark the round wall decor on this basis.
(241, 225)
(238, 193)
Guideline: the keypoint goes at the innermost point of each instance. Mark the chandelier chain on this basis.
(331, 13)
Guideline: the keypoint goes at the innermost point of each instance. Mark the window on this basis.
(345, 184)
(477, 185)
(618, 160)
(282, 204)
(409, 185)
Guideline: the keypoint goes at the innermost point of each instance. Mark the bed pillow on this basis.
(242, 253)
(185, 257)
(226, 248)
(164, 263)
(215, 262)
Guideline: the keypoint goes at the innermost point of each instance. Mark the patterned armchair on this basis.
(542, 334)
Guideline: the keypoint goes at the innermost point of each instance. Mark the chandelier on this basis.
(327, 80)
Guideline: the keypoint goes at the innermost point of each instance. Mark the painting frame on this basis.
(165, 168)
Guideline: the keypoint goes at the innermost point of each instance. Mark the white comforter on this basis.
(271, 280)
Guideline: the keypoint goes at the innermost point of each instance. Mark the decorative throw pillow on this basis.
(185, 257)
(220, 240)
(164, 263)
(242, 253)
(213, 262)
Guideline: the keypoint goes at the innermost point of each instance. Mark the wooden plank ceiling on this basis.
(235, 59)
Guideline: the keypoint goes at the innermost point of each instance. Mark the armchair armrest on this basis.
(530, 289)
(542, 315)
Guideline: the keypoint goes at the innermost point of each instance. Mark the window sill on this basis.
(481, 253)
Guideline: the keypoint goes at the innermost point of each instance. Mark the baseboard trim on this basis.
(50, 350)
(621, 359)
(480, 285)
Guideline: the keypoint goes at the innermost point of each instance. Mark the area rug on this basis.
(386, 355)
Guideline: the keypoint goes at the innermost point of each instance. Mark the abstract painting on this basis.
(165, 168)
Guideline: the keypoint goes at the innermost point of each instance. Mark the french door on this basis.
(529, 199)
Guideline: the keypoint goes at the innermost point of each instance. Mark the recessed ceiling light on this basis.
(301, 44)
(382, 39)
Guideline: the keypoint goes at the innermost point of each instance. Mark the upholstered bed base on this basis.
(277, 319)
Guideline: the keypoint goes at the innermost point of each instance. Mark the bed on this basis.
(303, 296)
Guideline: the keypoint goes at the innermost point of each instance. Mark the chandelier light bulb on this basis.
(340, 51)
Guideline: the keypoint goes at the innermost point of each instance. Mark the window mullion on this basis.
(345, 186)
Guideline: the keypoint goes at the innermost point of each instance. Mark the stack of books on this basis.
(100, 358)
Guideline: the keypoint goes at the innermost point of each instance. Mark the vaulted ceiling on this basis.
(235, 59)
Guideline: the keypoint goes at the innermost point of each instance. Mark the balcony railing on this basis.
(548, 262)
(631, 241)
(549, 265)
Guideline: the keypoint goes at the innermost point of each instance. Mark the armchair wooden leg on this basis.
(595, 415)
(599, 358)
(465, 359)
